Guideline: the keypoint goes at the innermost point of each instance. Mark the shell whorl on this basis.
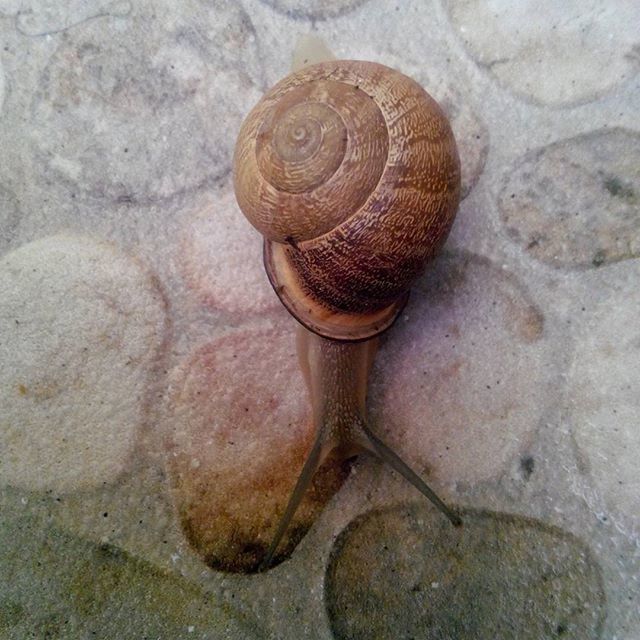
(351, 173)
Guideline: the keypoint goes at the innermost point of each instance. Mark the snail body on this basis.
(350, 171)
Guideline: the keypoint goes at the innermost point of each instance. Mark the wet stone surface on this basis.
(56, 585)
(404, 572)
(238, 431)
(576, 203)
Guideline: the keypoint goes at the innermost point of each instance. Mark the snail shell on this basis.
(351, 173)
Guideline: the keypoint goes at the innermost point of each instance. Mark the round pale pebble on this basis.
(80, 323)
(140, 114)
(404, 572)
(45, 19)
(217, 241)
(314, 9)
(550, 52)
(238, 432)
(575, 203)
(462, 382)
(604, 392)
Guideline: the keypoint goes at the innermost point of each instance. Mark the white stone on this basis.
(552, 52)
(80, 323)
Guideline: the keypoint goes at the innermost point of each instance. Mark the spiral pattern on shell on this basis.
(350, 171)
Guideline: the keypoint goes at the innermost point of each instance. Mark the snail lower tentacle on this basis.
(336, 374)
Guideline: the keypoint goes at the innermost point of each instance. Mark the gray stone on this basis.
(34, 19)
(603, 402)
(552, 53)
(576, 203)
(404, 572)
(101, 86)
(9, 218)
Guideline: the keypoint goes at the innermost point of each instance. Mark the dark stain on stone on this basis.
(237, 545)
(599, 258)
(618, 188)
(527, 464)
(404, 572)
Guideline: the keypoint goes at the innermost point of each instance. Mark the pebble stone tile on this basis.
(1, 89)
(314, 9)
(436, 383)
(524, 578)
(602, 401)
(153, 419)
(575, 202)
(550, 53)
(99, 88)
(73, 308)
(238, 432)
(9, 218)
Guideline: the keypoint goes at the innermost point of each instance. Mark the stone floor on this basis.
(152, 416)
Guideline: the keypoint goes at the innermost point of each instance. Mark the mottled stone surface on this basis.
(218, 240)
(1, 88)
(100, 87)
(9, 218)
(59, 586)
(603, 401)
(33, 19)
(406, 573)
(509, 382)
(576, 202)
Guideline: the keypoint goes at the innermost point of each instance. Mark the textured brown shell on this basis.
(351, 172)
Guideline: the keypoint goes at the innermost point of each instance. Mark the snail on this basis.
(350, 171)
